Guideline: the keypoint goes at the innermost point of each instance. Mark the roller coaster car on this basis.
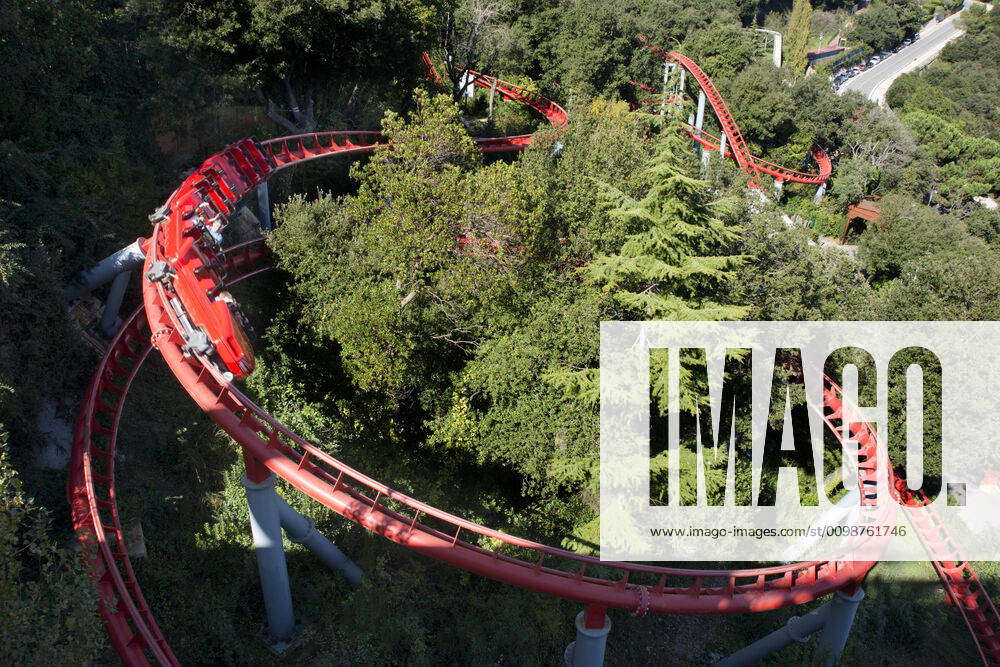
(212, 311)
(215, 326)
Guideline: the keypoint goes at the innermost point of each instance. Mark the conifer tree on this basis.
(797, 39)
(669, 266)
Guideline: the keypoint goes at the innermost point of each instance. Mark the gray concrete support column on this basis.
(493, 94)
(666, 88)
(302, 530)
(264, 204)
(839, 619)
(128, 258)
(265, 524)
(776, 46)
(109, 319)
(797, 629)
(722, 144)
(820, 191)
(589, 647)
(699, 118)
(679, 103)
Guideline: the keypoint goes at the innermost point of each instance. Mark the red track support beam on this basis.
(593, 616)
(256, 471)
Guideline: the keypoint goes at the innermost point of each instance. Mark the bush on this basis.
(49, 609)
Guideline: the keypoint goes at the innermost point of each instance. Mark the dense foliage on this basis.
(49, 612)
(306, 61)
(953, 110)
(76, 143)
(886, 22)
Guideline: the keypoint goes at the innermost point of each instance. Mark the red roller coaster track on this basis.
(749, 164)
(195, 325)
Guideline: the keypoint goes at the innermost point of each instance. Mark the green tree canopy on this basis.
(797, 36)
(878, 27)
(670, 264)
(723, 51)
(291, 51)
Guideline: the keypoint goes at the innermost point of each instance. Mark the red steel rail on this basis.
(185, 302)
(962, 585)
(748, 163)
(285, 151)
(131, 627)
(396, 516)
(784, 174)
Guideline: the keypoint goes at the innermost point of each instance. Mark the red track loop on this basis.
(91, 485)
(285, 151)
(196, 326)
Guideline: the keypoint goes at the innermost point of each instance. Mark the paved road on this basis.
(874, 83)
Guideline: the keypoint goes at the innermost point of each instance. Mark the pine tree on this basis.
(797, 39)
(668, 268)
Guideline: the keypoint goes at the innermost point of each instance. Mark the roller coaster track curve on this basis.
(748, 163)
(184, 285)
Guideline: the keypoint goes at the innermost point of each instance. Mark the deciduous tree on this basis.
(878, 27)
(289, 51)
